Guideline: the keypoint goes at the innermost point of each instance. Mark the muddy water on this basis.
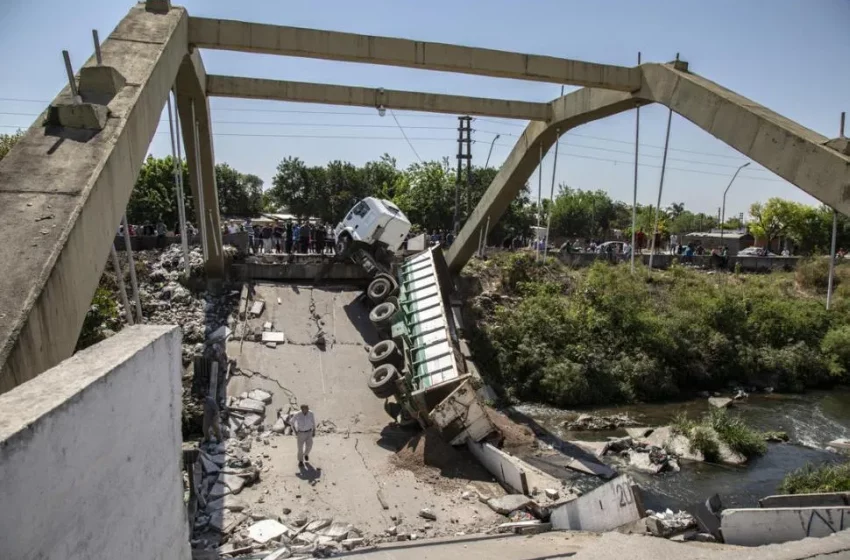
(811, 420)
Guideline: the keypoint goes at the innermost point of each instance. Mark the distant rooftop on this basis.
(716, 233)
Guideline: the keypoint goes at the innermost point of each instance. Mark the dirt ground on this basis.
(361, 460)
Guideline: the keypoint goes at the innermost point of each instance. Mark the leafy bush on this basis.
(811, 479)
(603, 335)
(813, 274)
(102, 314)
(702, 440)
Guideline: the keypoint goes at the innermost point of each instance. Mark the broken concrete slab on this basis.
(257, 308)
(274, 336)
(250, 405)
(260, 395)
(595, 448)
(317, 525)
(220, 333)
(842, 444)
(234, 482)
(509, 503)
(756, 527)
(591, 467)
(676, 444)
(826, 499)
(279, 426)
(643, 462)
(266, 530)
(219, 490)
(552, 494)
(719, 402)
(267, 326)
(271, 344)
(607, 507)
(337, 530)
(252, 420)
(427, 514)
(209, 466)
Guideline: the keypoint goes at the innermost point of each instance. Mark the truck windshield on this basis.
(361, 209)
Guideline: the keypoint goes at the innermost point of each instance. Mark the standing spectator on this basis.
(296, 237)
(306, 232)
(278, 237)
(258, 239)
(330, 242)
(266, 235)
(319, 239)
(674, 244)
(287, 240)
(160, 233)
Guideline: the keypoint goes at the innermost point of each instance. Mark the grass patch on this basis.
(702, 439)
(736, 434)
(811, 479)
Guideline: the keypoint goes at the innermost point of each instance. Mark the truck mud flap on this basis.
(461, 416)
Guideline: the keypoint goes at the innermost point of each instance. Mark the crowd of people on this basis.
(291, 237)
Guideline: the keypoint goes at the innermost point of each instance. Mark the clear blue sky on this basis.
(789, 55)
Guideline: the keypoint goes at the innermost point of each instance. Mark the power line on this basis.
(405, 136)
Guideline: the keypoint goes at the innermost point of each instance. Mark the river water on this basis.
(811, 421)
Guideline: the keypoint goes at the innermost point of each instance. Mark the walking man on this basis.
(304, 424)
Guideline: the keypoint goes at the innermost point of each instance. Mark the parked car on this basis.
(755, 252)
(603, 247)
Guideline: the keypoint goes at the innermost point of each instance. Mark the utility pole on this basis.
(464, 138)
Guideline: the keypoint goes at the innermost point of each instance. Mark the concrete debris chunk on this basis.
(318, 525)
(274, 336)
(252, 420)
(337, 530)
(267, 326)
(234, 482)
(509, 503)
(257, 308)
(260, 395)
(552, 494)
(210, 467)
(279, 554)
(250, 405)
(719, 402)
(219, 334)
(306, 537)
(271, 344)
(279, 426)
(349, 544)
(427, 514)
(266, 530)
(219, 490)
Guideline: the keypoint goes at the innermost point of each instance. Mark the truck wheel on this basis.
(385, 352)
(382, 316)
(379, 289)
(382, 381)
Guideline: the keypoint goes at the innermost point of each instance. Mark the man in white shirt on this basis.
(304, 425)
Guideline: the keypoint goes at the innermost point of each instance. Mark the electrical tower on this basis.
(464, 139)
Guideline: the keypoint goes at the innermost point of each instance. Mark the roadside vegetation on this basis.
(718, 426)
(549, 334)
(811, 479)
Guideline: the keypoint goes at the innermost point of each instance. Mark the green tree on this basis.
(773, 218)
(426, 195)
(154, 196)
(238, 194)
(7, 141)
(578, 213)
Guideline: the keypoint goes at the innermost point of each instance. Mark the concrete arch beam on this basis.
(795, 153)
(63, 191)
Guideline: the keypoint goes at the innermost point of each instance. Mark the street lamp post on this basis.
(723, 211)
(491, 150)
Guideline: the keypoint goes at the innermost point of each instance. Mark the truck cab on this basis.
(373, 222)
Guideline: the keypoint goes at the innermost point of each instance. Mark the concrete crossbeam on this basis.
(801, 156)
(256, 88)
(795, 153)
(390, 51)
(568, 112)
(64, 192)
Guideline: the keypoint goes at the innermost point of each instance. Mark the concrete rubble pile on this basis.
(234, 528)
(590, 422)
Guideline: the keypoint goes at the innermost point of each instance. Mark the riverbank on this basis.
(811, 421)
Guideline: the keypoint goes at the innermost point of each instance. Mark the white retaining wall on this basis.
(90, 454)
(755, 527)
(607, 507)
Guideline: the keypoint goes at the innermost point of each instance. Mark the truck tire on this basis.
(379, 289)
(382, 381)
(385, 352)
(382, 316)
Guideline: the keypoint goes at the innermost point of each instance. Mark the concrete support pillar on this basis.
(191, 86)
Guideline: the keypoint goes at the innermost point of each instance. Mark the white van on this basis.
(374, 222)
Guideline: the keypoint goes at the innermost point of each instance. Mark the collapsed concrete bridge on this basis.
(67, 182)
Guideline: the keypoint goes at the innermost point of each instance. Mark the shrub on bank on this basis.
(811, 479)
(611, 336)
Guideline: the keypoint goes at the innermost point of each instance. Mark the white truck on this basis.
(418, 361)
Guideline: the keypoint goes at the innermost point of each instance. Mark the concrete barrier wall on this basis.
(297, 270)
(756, 527)
(607, 507)
(501, 465)
(90, 454)
(806, 500)
(748, 264)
